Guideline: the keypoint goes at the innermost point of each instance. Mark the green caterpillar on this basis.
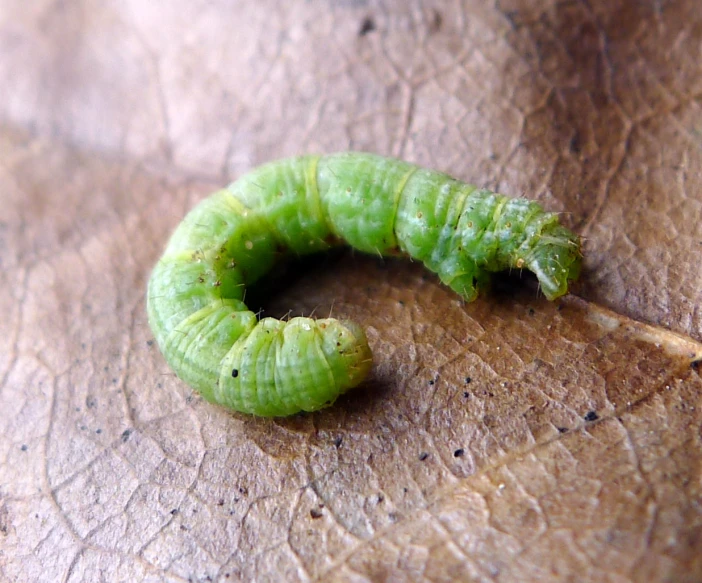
(306, 205)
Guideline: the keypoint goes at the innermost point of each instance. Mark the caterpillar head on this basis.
(556, 260)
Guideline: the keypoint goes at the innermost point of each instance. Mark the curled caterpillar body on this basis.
(306, 205)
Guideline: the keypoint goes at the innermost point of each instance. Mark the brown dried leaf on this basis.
(506, 440)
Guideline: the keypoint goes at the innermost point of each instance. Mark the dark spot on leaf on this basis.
(466, 394)
(149, 342)
(24, 447)
(125, 434)
(695, 364)
(337, 442)
(562, 430)
(174, 511)
(220, 502)
(576, 143)
(531, 311)
(422, 456)
(459, 452)
(381, 498)
(235, 373)
(436, 22)
(98, 431)
(314, 513)
(468, 379)
(591, 416)
(431, 383)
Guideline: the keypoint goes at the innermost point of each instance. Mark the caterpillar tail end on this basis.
(282, 368)
(345, 346)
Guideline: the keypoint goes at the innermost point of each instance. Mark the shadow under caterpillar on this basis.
(306, 205)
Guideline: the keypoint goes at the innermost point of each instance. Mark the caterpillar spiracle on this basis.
(305, 205)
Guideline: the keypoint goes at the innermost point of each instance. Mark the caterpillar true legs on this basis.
(305, 205)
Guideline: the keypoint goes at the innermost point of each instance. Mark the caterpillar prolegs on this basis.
(306, 205)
